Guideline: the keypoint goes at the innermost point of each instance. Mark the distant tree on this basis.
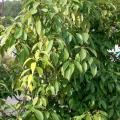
(62, 67)
(12, 8)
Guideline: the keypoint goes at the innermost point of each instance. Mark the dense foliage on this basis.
(62, 67)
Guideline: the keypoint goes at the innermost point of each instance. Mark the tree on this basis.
(63, 70)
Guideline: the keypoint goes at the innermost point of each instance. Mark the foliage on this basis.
(63, 68)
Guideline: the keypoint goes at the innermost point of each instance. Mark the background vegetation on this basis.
(62, 67)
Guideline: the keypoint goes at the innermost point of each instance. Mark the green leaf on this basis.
(36, 4)
(90, 61)
(69, 71)
(18, 33)
(26, 49)
(54, 57)
(65, 54)
(23, 55)
(44, 10)
(79, 117)
(94, 70)
(26, 115)
(55, 116)
(33, 11)
(77, 57)
(28, 60)
(105, 114)
(37, 55)
(79, 38)
(44, 101)
(63, 2)
(84, 66)
(30, 78)
(64, 67)
(88, 117)
(57, 85)
(38, 26)
(103, 103)
(33, 66)
(70, 37)
(83, 54)
(38, 114)
(85, 37)
(10, 42)
(92, 51)
(52, 89)
(24, 35)
(35, 46)
(78, 66)
(35, 100)
(71, 103)
(49, 47)
(24, 72)
(4, 85)
(68, 74)
(47, 114)
(40, 71)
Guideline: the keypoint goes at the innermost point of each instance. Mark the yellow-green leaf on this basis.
(24, 72)
(84, 66)
(38, 25)
(94, 70)
(39, 70)
(28, 60)
(33, 66)
(35, 100)
(88, 117)
(83, 54)
(49, 47)
(65, 54)
(85, 37)
(30, 78)
(18, 33)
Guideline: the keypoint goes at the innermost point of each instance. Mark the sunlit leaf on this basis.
(35, 100)
(83, 54)
(94, 70)
(65, 54)
(39, 70)
(49, 47)
(33, 66)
